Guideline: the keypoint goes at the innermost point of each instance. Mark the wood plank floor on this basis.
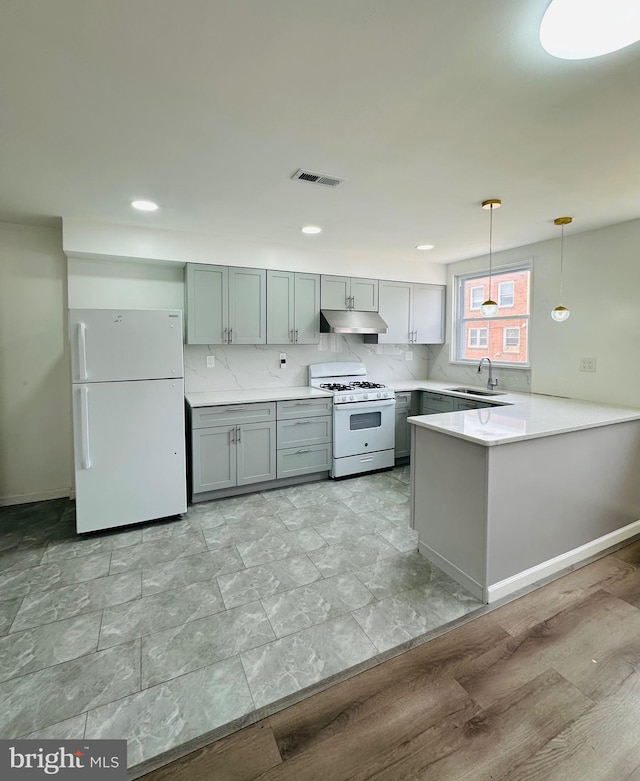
(546, 687)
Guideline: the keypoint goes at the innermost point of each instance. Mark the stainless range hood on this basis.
(350, 321)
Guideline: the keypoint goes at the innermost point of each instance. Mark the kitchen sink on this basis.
(476, 391)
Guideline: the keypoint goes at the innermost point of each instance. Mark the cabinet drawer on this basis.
(436, 402)
(304, 408)
(228, 414)
(403, 400)
(304, 460)
(304, 431)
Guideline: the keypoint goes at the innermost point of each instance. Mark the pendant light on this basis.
(561, 313)
(489, 307)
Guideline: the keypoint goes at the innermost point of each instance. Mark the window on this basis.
(503, 338)
(478, 337)
(511, 340)
(506, 293)
(476, 297)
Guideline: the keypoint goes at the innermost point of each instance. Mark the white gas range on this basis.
(363, 417)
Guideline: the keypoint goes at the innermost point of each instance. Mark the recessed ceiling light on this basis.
(579, 30)
(311, 229)
(424, 246)
(144, 206)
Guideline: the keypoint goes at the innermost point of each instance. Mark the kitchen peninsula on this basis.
(505, 496)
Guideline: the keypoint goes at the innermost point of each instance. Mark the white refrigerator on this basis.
(128, 416)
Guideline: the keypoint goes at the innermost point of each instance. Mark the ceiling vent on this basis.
(315, 178)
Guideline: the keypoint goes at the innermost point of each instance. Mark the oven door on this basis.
(363, 427)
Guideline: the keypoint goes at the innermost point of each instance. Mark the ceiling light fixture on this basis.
(489, 307)
(561, 313)
(145, 206)
(311, 229)
(422, 247)
(579, 30)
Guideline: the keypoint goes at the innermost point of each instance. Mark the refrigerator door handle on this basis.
(82, 351)
(84, 428)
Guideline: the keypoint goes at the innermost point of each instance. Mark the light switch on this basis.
(211, 361)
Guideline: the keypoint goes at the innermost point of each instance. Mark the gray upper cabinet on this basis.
(349, 293)
(293, 307)
(207, 304)
(226, 305)
(413, 312)
(428, 313)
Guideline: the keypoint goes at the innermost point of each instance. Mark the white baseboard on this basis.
(42, 496)
(457, 574)
(529, 576)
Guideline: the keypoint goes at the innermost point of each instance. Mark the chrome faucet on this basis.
(491, 383)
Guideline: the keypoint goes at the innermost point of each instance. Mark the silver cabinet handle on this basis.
(225, 337)
(239, 437)
(291, 335)
(296, 335)
(415, 338)
(235, 409)
(303, 403)
(231, 436)
(304, 450)
(230, 335)
(302, 422)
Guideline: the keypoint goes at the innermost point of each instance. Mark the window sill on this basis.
(496, 365)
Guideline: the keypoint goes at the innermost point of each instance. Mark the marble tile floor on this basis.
(166, 631)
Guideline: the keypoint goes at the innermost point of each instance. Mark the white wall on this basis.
(82, 239)
(35, 419)
(99, 284)
(601, 288)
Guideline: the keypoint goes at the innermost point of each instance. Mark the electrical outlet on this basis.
(211, 361)
(283, 360)
(408, 356)
(587, 364)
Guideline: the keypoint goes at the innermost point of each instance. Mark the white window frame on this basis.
(458, 321)
(482, 335)
(509, 348)
(471, 292)
(513, 294)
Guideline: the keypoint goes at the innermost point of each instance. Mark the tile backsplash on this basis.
(258, 366)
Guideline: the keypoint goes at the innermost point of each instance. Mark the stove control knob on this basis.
(365, 396)
(351, 398)
(379, 395)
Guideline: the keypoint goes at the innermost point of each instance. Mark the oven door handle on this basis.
(371, 405)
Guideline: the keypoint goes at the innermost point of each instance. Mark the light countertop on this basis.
(520, 416)
(245, 396)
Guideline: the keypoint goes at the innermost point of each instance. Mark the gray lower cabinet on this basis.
(403, 429)
(432, 403)
(305, 436)
(232, 445)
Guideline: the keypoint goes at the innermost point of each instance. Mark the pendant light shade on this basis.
(561, 313)
(489, 308)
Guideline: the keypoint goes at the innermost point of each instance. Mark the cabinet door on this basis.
(335, 292)
(255, 453)
(364, 293)
(307, 308)
(403, 434)
(214, 458)
(247, 306)
(207, 303)
(435, 402)
(428, 313)
(280, 307)
(395, 310)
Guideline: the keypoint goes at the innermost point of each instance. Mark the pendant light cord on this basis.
(561, 261)
(490, 244)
